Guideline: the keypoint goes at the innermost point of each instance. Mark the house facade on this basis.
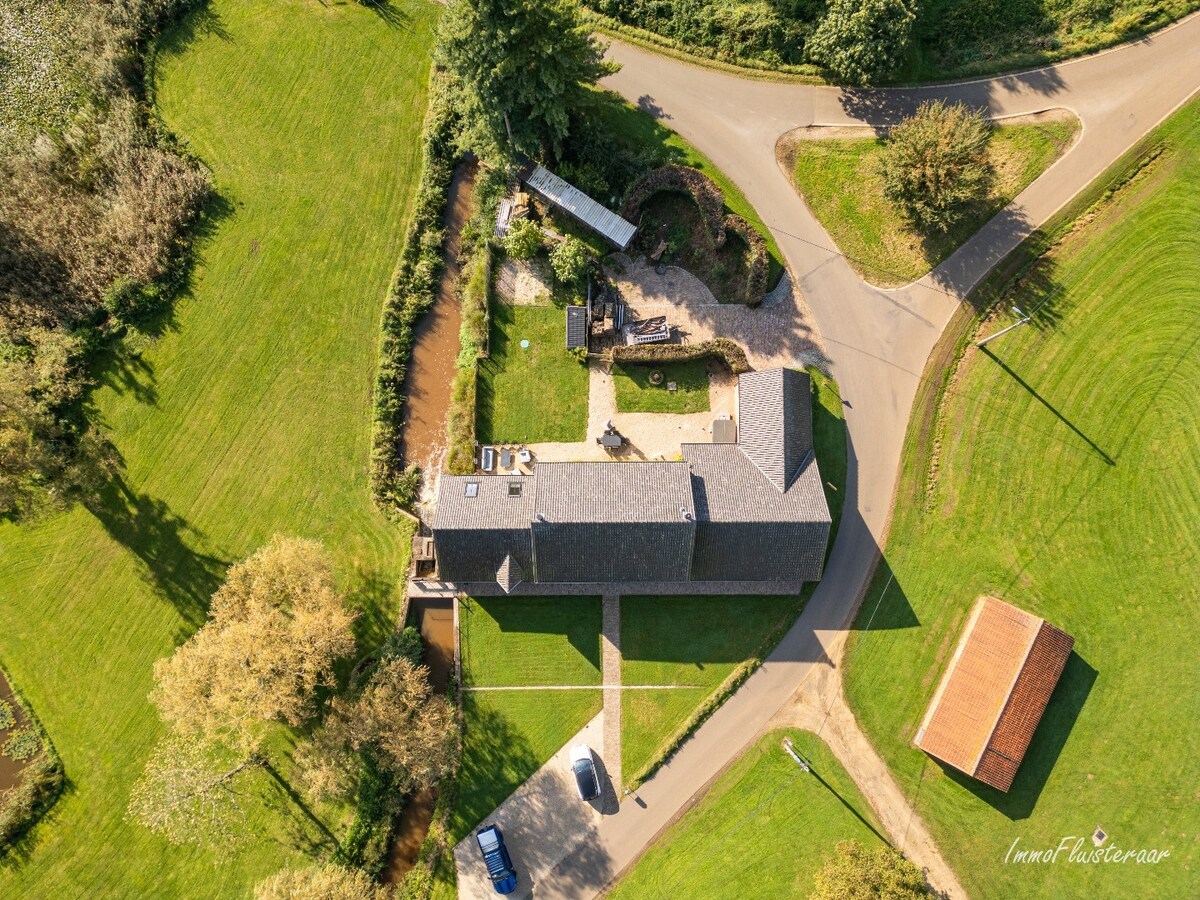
(744, 516)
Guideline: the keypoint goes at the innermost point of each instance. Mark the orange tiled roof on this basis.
(989, 702)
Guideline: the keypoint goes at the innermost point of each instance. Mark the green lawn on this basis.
(763, 830)
(251, 415)
(636, 394)
(840, 181)
(535, 393)
(530, 640)
(508, 735)
(692, 642)
(1066, 481)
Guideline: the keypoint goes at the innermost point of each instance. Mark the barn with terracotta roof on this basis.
(995, 690)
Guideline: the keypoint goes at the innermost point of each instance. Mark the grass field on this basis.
(535, 393)
(1066, 481)
(508, 735)
(841, 183)
(635, 393)
(694, 643)
(251, 415)
(763, 830)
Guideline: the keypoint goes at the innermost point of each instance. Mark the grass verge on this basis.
(1070, 459)
(249, 416)
(528, 394)
(636, 393)
(762, 830)
(840, 181)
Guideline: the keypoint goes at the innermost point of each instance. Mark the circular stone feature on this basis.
(656, 377)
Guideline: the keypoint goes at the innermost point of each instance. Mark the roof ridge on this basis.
(1012, 685)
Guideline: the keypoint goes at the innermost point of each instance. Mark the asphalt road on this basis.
(878, 340)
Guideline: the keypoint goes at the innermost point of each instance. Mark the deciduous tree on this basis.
(527, 60)
(569, 259)
(276, 628)
(862, 41)
(397, 720)
(189, 792)
(854, 873)
(935, 164)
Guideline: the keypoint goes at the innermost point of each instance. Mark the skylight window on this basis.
(515, 488)
(472, 489)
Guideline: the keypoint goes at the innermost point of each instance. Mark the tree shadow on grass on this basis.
(497, 758)
(164, 543)
(1048, 741)
(304, 830)
(391, 14)
(200, 22)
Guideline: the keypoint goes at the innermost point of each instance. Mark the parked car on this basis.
(495, 856)
(583, 766)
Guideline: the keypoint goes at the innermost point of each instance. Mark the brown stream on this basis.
(435, 344)
(11, 769)
(435, 619)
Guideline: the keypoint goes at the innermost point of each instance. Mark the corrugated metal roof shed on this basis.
(570, 199)
(576, 327)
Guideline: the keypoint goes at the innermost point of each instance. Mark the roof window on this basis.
(515, 488)
(472, 489)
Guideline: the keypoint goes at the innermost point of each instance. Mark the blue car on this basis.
(495, 855)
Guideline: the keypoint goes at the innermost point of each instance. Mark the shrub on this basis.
(854, 871)
(569, 260)
(717, 348)
(935, 165)
(862, 41)
(406, 643)
(7, 717)
(682, 179)
(758, 262)
(460, 422)
(580, 354)
(21, 806)
(22, 744)
(524, 239)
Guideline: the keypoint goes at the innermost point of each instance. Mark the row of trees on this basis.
(276, 629)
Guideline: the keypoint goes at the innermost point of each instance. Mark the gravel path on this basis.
(610, 642)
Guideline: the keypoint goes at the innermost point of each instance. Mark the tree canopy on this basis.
(855, 873)
(276, 627)
(395, 719)
(527, 60)
(862, 41)
(935, 164)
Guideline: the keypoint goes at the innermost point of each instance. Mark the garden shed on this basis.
(606, 223)
(988, 705)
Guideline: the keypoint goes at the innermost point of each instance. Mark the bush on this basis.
(569, 260)
(862, 41)
(460, 422)
(21, 806)
(758, 262)
(853, 871)
(407, 644)
(935, 165)
(7, 717)
(22, 744)
(524, 239)
(718, 348)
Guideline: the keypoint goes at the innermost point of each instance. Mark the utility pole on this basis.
(1021, 320)
(791, 751)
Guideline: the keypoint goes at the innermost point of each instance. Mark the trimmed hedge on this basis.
(758, 263)
(681, 179)
(413, 290)
(654, 354)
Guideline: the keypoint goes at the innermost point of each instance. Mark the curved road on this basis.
(878, 341)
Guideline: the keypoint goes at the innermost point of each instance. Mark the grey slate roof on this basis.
(474, 535)
(603, 221)
(748, 530)
(613, 492)
(775, 422)
(576, 327)
(510, 574)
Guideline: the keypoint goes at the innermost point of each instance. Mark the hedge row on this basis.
(759, 262)
(413, 290)
(41, 783)
(694, 183)
(655, 354)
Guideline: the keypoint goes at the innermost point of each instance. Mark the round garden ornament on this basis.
(656, 377)
(524, 344)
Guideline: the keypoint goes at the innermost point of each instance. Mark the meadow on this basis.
(248, 414)
(1060, 472)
